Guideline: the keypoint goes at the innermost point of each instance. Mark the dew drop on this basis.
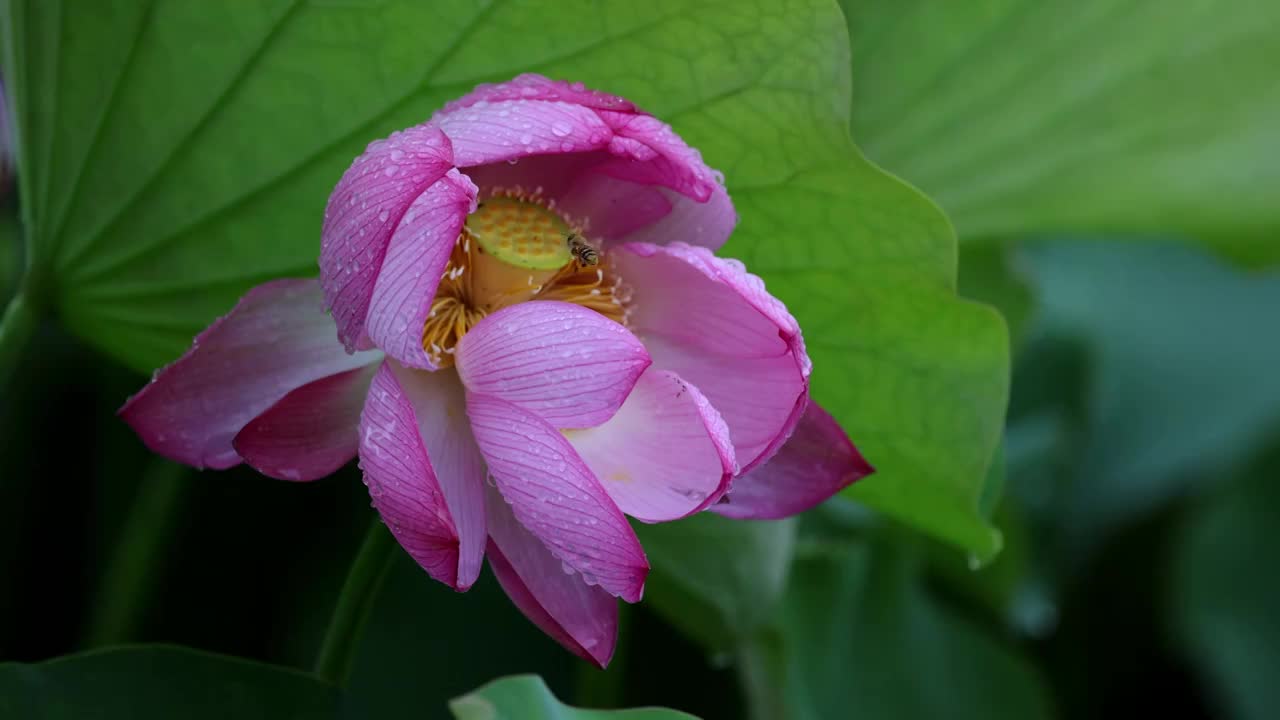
(561, 128)
(396, 155)
(526, 139)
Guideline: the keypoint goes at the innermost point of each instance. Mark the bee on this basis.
(586, 255)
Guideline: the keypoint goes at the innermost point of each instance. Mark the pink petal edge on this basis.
(665, 158)
(403, 483)
(513, 129)
(275, 340)
(532, 116)
(531, 86)
(364, 210)
(311, 432)
(817, 461)
(569, 365)
(583, 618)
(440, 410)
(416, 258)
(554, 495)
(716, 325)
(665, 455)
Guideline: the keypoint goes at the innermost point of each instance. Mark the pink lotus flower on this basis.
(536, 340)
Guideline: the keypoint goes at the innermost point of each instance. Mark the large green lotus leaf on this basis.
(178, 153)
(858, 635)
(526, 697)
(1065, 115)
(917, 377)
(992, 273)
(162, 683)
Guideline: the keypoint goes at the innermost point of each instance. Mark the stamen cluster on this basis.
(516, 248)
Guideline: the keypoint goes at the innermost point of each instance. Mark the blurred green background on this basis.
(1109, 171)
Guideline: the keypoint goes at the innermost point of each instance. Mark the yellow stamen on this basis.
(513, 249)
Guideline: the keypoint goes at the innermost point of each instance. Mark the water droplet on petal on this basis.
(561, 128)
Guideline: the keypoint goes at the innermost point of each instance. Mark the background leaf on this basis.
(163, 682)
(1224, 605)
(169, 176)
(1024, 116)
(715, 578)
(859, 636)
(10, 256)
(1180, 387)
(442, 643)
(526, 697)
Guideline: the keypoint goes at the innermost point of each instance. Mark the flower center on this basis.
(514, 248)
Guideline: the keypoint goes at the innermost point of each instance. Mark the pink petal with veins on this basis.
(554, 495)
(405, 486)
(274, 341)
(415, 261)
(364, 211)
(816, 462)
(569, 365)
(311, 432)
(664, 455)
(717, 326)
(581, 617)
